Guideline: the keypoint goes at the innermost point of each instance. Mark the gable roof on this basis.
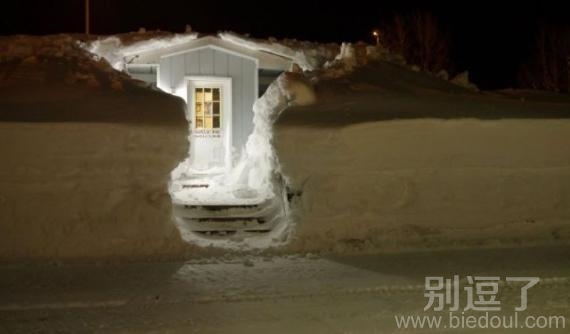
(265, 60)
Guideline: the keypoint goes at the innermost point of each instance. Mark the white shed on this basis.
(220, 81)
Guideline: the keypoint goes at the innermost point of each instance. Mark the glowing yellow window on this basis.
(208, 101)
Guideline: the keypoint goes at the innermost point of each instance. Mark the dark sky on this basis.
(489, 38)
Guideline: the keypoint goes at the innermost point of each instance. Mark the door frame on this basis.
(225, 83)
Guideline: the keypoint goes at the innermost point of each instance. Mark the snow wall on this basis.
(427, 183)
(91, 184)
(86, 156)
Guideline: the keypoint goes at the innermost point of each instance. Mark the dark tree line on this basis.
(419, 38)
(549, 66)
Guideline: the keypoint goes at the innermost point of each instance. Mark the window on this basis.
(208, 106)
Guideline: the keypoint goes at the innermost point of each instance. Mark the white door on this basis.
(209, 101)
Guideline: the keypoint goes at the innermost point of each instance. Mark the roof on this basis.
(266, 60)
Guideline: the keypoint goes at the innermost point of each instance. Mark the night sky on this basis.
(489, 38)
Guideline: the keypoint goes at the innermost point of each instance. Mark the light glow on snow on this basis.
(118, 54)
(253, 178)
(301, 58)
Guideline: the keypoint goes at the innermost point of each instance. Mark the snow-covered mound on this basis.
(376, 156)
(117, 49)
(58, 59)
(394, 159)
(86, 156)
(309, 56)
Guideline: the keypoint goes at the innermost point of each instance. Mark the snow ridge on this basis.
(117, 51)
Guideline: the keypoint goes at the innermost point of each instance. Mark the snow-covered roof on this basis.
(150, 51)
(147, 48)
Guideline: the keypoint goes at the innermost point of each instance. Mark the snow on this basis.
(376, 157)
(309, 56)
(86, 162)
(118, 50)
(389, 159)
(255, 177)
(57, 58)
(462, 79)
(267, 294)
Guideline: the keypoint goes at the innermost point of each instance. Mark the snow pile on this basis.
(259, 162)
(85, 162)
(309, 56)
(58, 59)
(382, 158)
(350, 57)
(325, 60)
(22, 47)
(443, 75)
(343, 63)
(383, 164)
(118, 50)
(462, 79)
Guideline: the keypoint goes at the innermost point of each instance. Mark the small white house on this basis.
(219, 80)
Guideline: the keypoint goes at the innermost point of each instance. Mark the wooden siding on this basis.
(210, 61)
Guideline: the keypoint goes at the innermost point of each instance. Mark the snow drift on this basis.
(86, 156)
(118, 50)
(389, 160)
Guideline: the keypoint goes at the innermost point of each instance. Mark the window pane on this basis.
(208, 109)
(208, 123)
(207, 94)
(199, 95)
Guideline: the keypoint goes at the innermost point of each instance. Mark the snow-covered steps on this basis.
(216, 228)
(225, 212)
(264, 208)
(225, 220)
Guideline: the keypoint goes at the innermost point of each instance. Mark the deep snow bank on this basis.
(87, 190)
(119, 49)
(389, 158)
(86, 156)
(309, 56)
(398, 162)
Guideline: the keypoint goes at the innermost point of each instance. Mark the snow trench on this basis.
(254, 178)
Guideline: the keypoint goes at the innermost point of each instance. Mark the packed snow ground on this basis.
(267, 294)
(377, 157)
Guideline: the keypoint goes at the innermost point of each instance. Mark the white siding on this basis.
(164, 75)
(210, 61)
(221, 62)
(177, 71)
(206, 61)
